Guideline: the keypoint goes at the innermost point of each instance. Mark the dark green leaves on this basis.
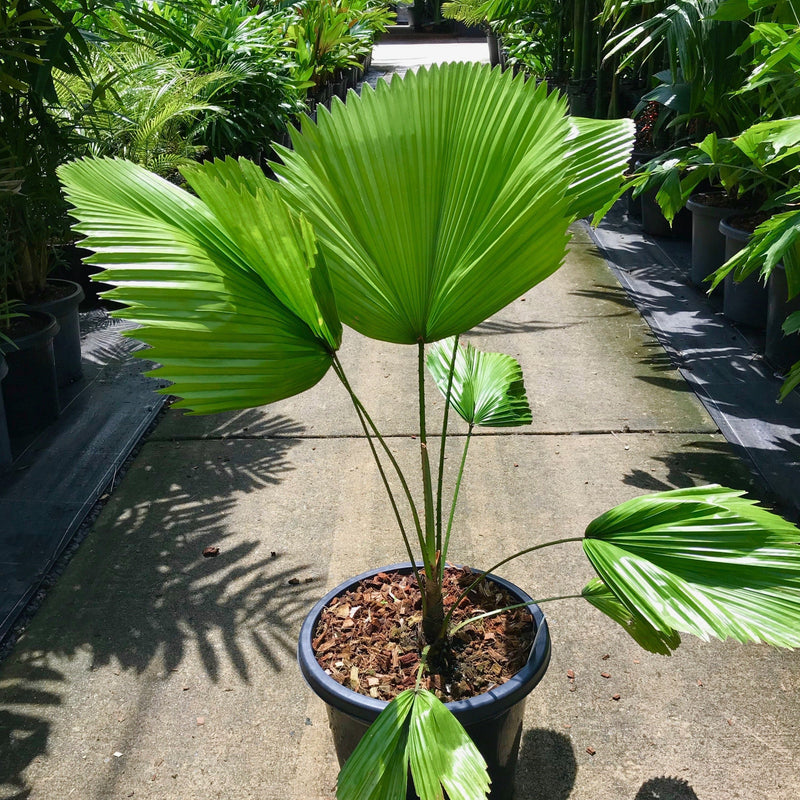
(417, 732)
(704, 561)
(487, 388)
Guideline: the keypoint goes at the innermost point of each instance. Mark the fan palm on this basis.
(241, 290)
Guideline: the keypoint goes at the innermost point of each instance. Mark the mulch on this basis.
(369, 638)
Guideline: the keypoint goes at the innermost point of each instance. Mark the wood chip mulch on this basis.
(369, 638)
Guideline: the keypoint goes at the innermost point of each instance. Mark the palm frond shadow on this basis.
(666, 789)
(697, 463)
(547, 767)
(107, 347)
(614, 295)
(251, 424)
(496, 326)
(24, 735)
(140, 592)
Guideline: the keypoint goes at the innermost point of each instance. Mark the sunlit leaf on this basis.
(487, 388)
(415, 731)
(378, 767)
(705, 561)
(208, 304)
(645, 635)
(441, 197)
(441, 755)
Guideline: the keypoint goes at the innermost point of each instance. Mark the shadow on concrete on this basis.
(23, 735)
(496, 327)
(547, 766)
(666, 789)
(608, 294)
(697, 463)
(140, 593)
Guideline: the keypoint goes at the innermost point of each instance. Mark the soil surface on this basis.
(749, 222)
(717, 200)
(18, 327)
(369, 638)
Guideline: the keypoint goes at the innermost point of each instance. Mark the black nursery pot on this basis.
(744, 302)
(492, 719)
(30, 391)
(67, 343)
(5, 442)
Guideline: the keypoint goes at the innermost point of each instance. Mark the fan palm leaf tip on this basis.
(415, 733)
(229, 288)
(704, 560)
(444, 195)
(487, 388)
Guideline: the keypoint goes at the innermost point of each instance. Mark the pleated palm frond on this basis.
(645, 635)
(487, 388)
(705, 561)
(415, 731)
(441, 197)
(230, 309)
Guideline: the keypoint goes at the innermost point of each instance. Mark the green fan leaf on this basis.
(443, 196)
(598, 156)
(441, 754)
(705, 561)
(646, 636)
(487, 388)
(247, 205)
(225, 330)
(414, 731)
(378, 767)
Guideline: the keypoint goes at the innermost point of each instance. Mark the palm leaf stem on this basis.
(455, 495)
(360, 409)
(443, 550)
(360, 413)
(429, 552)
(496, 611)
(499, 564)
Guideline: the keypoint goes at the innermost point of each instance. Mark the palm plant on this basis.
(132, 102)
(34, 37)
(241, 314)
(247, 43)
(697, 56)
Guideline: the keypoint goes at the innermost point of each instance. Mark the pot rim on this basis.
(480, 707)
(60, 305)
(732, 232)
(31, 340)
(706, 210)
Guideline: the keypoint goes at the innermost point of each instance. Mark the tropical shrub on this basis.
(131, 102)
(249, 44)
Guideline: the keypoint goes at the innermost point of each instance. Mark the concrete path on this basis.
(152, 672)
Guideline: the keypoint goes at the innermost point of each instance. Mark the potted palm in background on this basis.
(240, 314)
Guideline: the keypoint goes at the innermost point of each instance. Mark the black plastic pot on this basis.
(633, 205)
(67, 343)
(744, 302)
(30, 390)
(708, 242)
(492, 719)
(493, 43)
(780, 350)
(5, 443)
(655, 223)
